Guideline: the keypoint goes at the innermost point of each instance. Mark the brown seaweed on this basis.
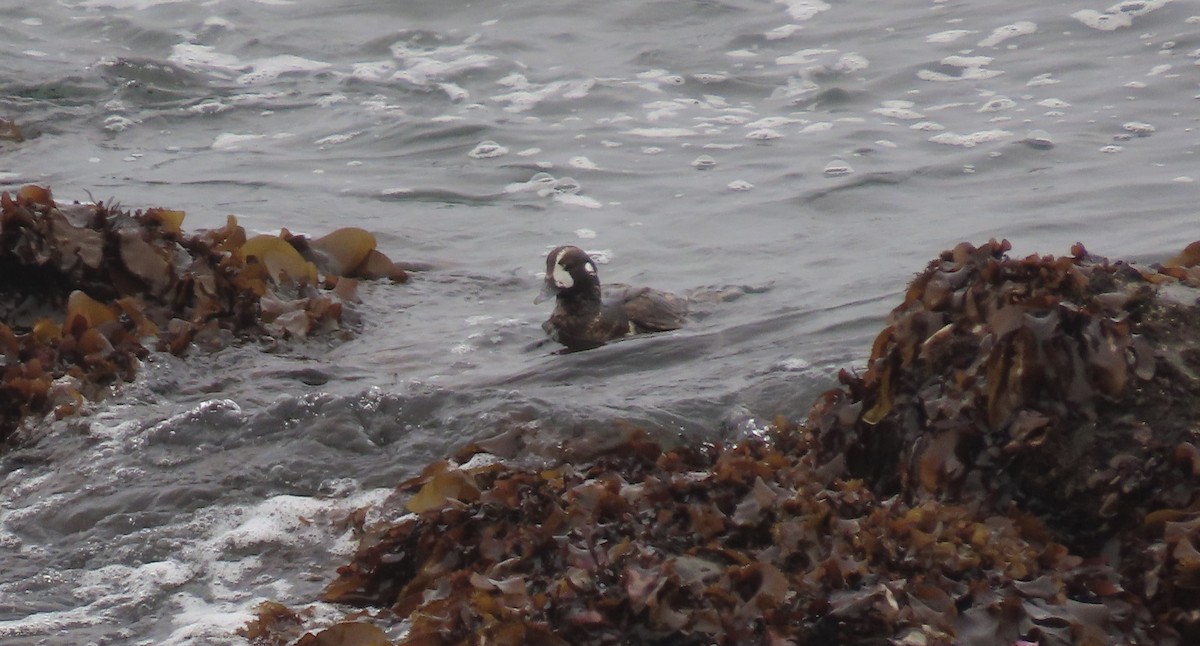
(1017, 464)
(87, 289)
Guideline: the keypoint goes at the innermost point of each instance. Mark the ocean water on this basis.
(789, 165)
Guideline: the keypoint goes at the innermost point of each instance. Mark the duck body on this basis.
(586, 316)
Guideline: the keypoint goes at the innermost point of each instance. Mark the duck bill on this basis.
(548, 292)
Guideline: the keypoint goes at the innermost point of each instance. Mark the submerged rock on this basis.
(1017, 464)
(88, 289)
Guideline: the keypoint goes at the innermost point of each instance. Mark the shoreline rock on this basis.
(86, 290)
(1017, 464)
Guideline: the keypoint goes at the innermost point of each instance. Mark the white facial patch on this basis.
(589, 268)
(562, 277)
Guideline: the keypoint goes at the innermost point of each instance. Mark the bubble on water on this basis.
(970, 140)
(819, 126)
(566, 186)
(709, 78)
(995, 104)
(1111, 148)
(610, 144)
(837, 168)
(487, 150)
(730, 120)
(118, 123)
(948, 36)
(764, 134)
(1001, 34)
(540, 183)
(582, 163)
(585, 234)
(1038, 139)
(1138, 128)
(1183, 179)
(704, 162)
(1053, 103)
(1042, 80)
(528, 152)
(884, 143)
(927, 126)
(740, 185)
(651, 150)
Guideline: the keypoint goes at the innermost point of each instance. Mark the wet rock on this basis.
(88, 289)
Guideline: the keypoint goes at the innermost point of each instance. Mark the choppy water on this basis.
(805, 157)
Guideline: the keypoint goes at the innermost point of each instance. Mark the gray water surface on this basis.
(789, 164)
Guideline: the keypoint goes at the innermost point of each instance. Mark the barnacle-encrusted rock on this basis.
(1017, 463)
(87, 289)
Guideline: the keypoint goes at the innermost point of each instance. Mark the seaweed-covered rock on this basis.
(1017, 464)
(1067, 387)
(87, 289)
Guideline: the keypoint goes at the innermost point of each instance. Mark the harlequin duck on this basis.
(582, 319)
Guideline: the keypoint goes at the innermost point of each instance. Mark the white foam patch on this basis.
(804, 57)
(972, 69)
(804, 9)
(948, 36)
(662, 132)
(337, 138)
(1053, 103)
(571, 199)
(1001, 34)
(234, 141)
(901, 110)
(423, 66)
(205, 59)
(781, 32)
(997, 104)
(740, 185)
(1042, 80)
(487, 150)
(1119, 15)
(970, 140)
(268, 69)
(764, 134)
(582, 163)
(528, 96)
(373, 70)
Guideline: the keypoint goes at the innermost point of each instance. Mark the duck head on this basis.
(570, 273)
